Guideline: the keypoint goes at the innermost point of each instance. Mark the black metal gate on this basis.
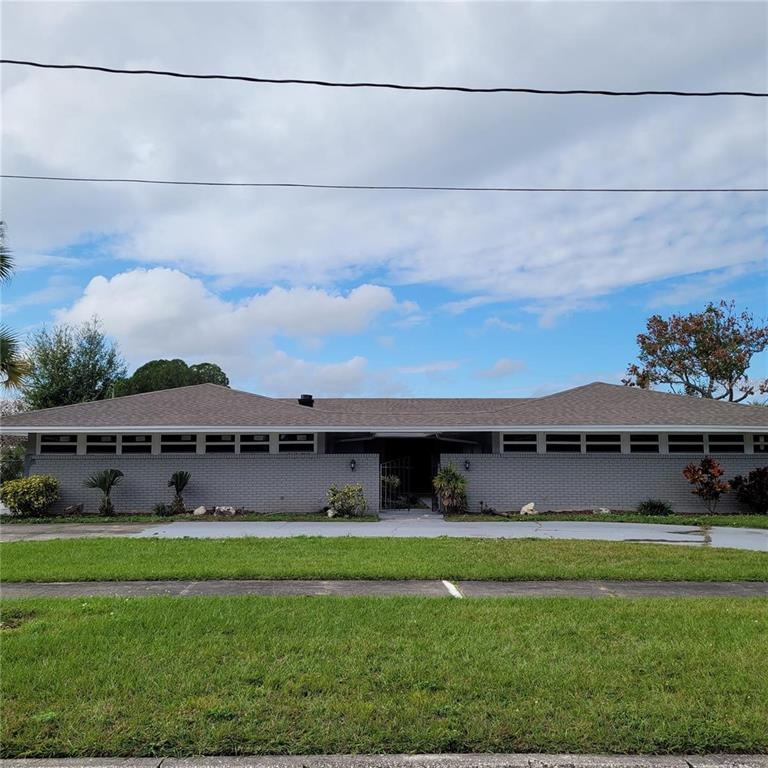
(395, 483)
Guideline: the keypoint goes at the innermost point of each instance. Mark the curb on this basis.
(404, 761)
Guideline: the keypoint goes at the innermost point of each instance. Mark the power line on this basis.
(391, 86)
(378, 187)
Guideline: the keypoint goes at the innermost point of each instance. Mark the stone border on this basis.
(405, 761)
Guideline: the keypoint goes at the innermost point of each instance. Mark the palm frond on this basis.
(13, 367)
(105, 480)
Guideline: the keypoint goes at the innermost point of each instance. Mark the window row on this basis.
(177, 443)
(639, 442)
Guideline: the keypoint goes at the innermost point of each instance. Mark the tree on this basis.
(71, 364)
(169, 374)
(209, 373)
(705, 477)
(105, 481)
(178, 481)
(704, 354)
(13, 367)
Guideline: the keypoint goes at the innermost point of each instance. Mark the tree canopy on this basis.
(704, 354)
(169, 374)
(71, 364)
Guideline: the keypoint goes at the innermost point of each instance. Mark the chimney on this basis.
(307, 400)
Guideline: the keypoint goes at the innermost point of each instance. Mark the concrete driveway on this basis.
(407, 524)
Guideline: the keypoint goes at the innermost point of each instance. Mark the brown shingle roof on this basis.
(211, 406)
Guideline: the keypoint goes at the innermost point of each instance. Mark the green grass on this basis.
(315, 517)
(188, 676)
(730, 521)
(370, 558)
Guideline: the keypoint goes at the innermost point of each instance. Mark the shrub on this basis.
(32, 495)
(451, 488)
(178, 481)
(347, 501)
(162, 510)
(105, 481)
(752, 490)
(705, 477)
(11, 463)
(654, 507)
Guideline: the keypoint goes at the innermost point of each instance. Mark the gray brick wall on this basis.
(587, 481)
(264, 483)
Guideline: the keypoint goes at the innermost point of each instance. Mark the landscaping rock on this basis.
(602, 511)
(73, 509)
(200, 511)
(230, 511)
(529, 509)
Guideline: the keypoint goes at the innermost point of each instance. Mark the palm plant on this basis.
(178, 482)
(105, 481)
(451, 489)
(13, 367)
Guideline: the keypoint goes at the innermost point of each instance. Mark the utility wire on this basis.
(383, 187)
(391, 86)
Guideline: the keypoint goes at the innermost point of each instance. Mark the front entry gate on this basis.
(395, 483)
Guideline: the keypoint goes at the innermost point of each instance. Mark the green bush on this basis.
(162, 510)
(654, 507)
(11, 463)
(30, 496)
(347, 501)
(451, 488)
(752, 490)
(104, 481)
(179, 481)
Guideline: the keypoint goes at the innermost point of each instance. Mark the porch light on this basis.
(352, 464)
(467, 464)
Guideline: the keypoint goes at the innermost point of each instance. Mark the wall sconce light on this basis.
(352, 464)
(467, 465)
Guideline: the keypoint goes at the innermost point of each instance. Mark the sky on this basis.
(385, 293)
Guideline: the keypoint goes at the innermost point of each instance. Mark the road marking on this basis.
(452, 589)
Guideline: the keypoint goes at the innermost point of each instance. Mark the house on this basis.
(599, 445)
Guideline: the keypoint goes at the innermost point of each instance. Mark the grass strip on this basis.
(163, 676)
(726, 521)
(121, 559)
(249, 517)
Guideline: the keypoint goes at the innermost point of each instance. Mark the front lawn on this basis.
(170, 676)
(251, 517)
(371, 558)
(730, 521)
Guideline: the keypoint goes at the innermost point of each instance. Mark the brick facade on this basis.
(263, 483)
(582, 481)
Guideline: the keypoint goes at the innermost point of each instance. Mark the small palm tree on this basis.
(105, 481)
(13, 367)
(178, 482)
(451, 489)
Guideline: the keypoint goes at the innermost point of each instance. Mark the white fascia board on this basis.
(250, 428)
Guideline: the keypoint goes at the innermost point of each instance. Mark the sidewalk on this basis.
(383, 588)
(406, 761)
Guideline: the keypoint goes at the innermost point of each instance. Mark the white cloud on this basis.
(494, 322)
(162, 312)
(550, 251)
(503, 367)
(438, 366)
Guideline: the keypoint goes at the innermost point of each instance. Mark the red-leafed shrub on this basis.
(752, 490)
(706, 479)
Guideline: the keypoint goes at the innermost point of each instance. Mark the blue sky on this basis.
(385, 293)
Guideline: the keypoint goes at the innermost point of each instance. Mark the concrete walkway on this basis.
(383, 588)
(401, 524)
(406, 761)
